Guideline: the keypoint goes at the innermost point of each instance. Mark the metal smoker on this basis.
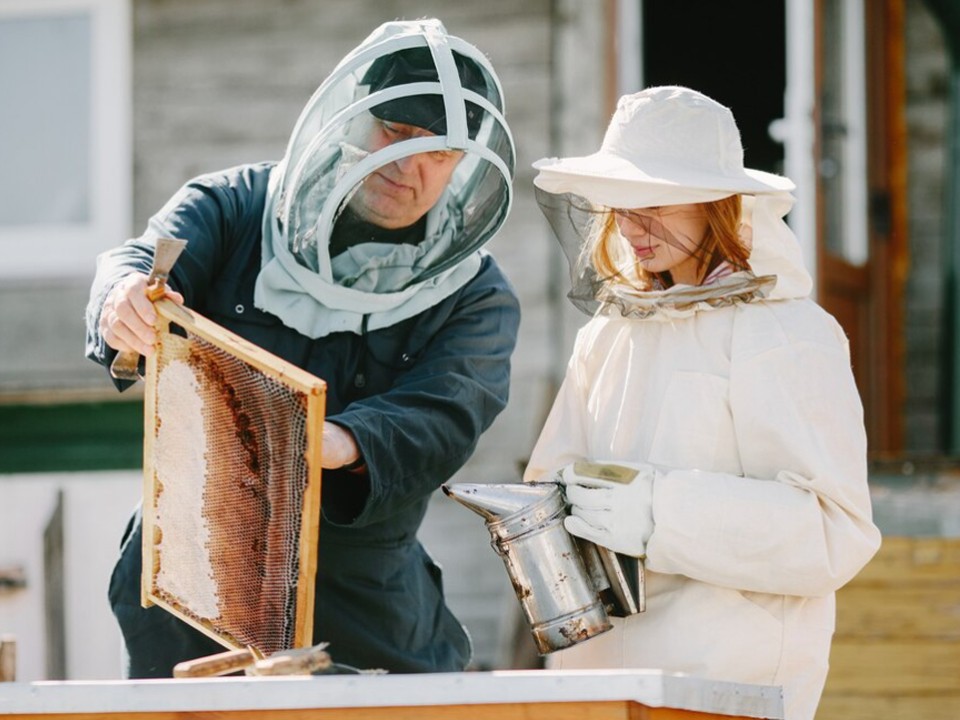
(567, 587)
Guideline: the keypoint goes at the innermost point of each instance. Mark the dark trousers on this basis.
(155, 640)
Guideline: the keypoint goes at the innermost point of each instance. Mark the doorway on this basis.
(734, 51)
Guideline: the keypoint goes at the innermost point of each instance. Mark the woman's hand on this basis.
(611, 504)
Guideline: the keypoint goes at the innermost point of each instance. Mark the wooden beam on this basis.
(8, 658)
(54, 594)
(618, 710)
(863, 707)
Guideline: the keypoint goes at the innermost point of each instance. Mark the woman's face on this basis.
(666, 239)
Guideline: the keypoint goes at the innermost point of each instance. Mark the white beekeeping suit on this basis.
(735, 400)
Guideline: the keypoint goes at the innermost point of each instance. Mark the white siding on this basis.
(95, 511)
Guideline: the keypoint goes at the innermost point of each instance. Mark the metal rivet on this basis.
(239, 309)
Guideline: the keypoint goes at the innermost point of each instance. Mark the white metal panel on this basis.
(96, 507)
(797, 131)
(855, 240)
(652, 688)
(629, 41)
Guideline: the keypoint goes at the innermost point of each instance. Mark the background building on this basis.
(108, 106)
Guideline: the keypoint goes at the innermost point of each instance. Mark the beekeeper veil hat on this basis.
(668, 146)
(409, 91)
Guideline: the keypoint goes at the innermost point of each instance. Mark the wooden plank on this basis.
(266, 362)
(908, 612)
(616, 710)
(893, 668)
(310, 522)
(54, 594)
(888, 220)
(8, 658)
(912, 559)
(149, 558)
(896, 652)
(863, 707)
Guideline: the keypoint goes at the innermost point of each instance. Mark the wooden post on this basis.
(8, 658)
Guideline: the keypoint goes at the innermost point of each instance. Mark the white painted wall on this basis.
(797, 131)
(95, 510)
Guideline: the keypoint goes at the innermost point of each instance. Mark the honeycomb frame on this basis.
(201, 365)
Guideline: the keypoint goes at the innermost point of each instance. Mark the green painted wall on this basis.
(71, 437)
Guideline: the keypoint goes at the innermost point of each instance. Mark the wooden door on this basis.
(861, 217)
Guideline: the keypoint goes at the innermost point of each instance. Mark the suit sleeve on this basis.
(210, 213)
(419, 433)
(798, 522)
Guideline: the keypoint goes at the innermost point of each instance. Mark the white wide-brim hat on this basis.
(664, 146)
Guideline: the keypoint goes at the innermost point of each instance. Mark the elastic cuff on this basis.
(355, 465)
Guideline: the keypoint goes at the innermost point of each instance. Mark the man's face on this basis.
(400, 193)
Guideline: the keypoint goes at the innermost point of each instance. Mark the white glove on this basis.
(610, 504)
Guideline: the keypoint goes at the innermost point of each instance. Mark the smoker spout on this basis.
(494, 502)
(556, 593)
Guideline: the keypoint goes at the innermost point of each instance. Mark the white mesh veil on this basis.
(423, 77)
(409, 92)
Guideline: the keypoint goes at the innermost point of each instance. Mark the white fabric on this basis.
(312, 305)
(664, 146)
(775, 250)
(761, 509)
(613, 514)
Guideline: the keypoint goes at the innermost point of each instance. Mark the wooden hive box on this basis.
(896, 652)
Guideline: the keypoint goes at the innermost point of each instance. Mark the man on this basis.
(357, 258)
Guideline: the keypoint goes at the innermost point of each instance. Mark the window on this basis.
(64, 134)
(843, 125)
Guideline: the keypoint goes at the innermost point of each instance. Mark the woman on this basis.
(710, 374)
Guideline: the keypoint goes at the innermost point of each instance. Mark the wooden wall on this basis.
(896, 652)
(926, 102)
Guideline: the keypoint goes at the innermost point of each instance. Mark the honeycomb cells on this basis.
(229, 493)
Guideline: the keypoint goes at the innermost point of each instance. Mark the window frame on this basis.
(69, 250)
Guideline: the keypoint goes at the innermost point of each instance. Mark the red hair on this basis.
(721, 242)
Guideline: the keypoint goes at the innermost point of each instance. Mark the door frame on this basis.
(867, 298)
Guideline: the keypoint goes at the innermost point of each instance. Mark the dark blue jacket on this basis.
(416, 396)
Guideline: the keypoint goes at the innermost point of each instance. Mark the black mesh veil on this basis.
(573, 220)
(577, 224)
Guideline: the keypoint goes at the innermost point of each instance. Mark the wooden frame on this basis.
(889, 226)
(285, 373)
(867, 299)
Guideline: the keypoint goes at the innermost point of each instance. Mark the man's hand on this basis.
(610, 504)
(339, 447)
(127, 316)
